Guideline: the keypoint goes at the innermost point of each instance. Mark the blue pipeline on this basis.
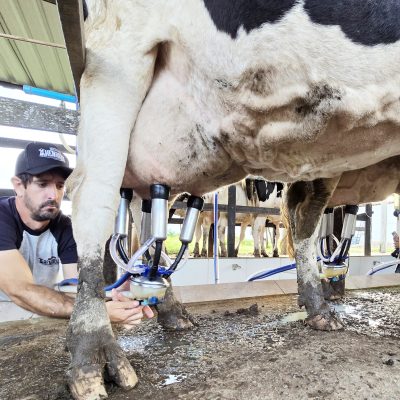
(278, 270)
(266, 274)
(49, 94)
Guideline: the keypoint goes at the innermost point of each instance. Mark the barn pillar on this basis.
(367, 241)
(231, 220)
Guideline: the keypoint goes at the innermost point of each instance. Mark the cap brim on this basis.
(40, 170)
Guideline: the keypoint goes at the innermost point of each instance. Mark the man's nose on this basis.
(52, 192)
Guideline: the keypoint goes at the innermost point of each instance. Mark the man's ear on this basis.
(19, 187)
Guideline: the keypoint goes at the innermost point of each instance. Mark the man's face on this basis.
(43, 196)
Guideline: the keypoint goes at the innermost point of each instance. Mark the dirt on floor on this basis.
(248, 349)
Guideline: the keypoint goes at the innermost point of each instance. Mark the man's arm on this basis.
(16, 281)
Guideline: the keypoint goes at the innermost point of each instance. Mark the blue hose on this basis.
(118, 283)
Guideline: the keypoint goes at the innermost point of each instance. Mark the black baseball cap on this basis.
(39, 157)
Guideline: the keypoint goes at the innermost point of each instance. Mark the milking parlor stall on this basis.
(227, 323)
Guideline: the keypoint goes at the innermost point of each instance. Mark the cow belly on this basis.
(173, 142)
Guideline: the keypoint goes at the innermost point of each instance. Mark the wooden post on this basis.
(71, 17)
(231, 220)
(367, 241)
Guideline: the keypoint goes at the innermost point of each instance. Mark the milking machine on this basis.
(143, 270)
(332, 253)
(146, 276)
(333, 260)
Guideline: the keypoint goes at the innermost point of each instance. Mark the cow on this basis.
(274, 200)
(245, 196)
(201, 93)
(207, 218)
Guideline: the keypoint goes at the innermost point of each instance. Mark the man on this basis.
(35, 237)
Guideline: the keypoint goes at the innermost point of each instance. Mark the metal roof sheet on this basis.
(37, 64)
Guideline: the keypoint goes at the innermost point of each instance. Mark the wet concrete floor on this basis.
(248, 349)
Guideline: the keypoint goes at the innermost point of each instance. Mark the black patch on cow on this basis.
(279, 189)
(270, 188)
(261, 187)
(369, 22)
(85, 10)
(249, 188)
(230, 15)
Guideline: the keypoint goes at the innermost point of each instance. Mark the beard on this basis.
(39, 213)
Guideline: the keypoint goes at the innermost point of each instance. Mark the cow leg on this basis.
(197, 236)
(222, 224)
(276, 240)
(243, 227)
(305, 203)
(263, 234)
(206, 232)
(109, 107)
(172, 314)
(255, 232)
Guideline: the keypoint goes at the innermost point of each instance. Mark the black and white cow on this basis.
(197, 94)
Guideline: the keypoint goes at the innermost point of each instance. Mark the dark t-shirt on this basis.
(44, 249)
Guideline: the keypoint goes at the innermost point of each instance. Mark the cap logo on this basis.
(53, 153)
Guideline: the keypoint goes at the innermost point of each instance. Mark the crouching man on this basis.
(35, 238)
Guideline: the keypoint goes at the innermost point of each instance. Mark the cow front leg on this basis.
(90, 338)
(305, 203)
(116, 79)
(172, 314)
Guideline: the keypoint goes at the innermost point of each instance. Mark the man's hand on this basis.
(125, 311)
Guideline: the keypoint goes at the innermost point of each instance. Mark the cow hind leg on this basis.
(172, 314)
(305, 203)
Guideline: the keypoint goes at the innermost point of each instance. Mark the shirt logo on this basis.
(50, 261)
(53, 153)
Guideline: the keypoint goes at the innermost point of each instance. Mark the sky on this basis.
(9, 156)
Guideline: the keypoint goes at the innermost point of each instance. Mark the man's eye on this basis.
(60, 187)
(41, 184)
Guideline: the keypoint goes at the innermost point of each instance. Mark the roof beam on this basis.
(71, 16)
(24, 114)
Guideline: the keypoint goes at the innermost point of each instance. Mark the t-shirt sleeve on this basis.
(66, 244)
(8, 231)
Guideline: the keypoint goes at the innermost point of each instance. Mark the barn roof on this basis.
(32, 45)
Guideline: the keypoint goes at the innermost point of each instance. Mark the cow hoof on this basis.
(196, 255)
(175, 318)
(224, 254)
(121, 371)
(203, 253)
(86, 383)
(276, 254)
(181, 323)
(257, 254)
(264, 254)
(324, 323)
